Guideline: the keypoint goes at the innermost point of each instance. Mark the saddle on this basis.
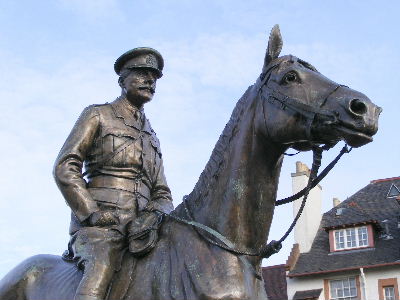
(143, 233)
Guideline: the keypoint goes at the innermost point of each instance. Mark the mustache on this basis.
(146, 87)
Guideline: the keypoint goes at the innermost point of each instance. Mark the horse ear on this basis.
(275, 43)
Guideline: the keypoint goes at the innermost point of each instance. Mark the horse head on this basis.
(290, 105)
(303, 108)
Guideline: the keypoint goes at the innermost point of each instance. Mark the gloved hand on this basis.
(150, 206)
(103, 218)
(159, 206)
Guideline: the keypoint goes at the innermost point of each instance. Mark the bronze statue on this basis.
(211, 246)
(125, 175)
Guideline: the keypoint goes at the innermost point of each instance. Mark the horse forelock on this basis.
(209, 177)
(277, 62)
(307, 65)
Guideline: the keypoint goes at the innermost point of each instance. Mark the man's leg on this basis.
(99, 251)
(95, 281)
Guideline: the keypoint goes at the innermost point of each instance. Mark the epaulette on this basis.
(102, 104)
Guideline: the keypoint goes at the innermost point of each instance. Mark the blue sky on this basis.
(57, 57)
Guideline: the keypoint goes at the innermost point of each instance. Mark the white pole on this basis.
(363, 285)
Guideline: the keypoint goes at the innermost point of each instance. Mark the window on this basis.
(388, 289)
(343, 289)
(393, 191)
(362, 236)
(388, 292)
(350, 238)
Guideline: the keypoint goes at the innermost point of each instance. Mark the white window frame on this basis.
(345, 237)
(385, 295)
(393, 186)
(344, 286)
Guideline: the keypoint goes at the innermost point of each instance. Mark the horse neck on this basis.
(239, 201)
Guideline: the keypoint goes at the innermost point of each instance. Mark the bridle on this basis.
(312, 114)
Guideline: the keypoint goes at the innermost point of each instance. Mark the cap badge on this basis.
(151, 61)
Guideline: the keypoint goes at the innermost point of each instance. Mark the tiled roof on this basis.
(369, 205)
(275, 282)
(307, 295)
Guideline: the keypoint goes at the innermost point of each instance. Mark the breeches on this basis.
(123, 204)
(99, 252)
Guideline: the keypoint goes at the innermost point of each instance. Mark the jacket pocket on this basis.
(113, 138)
(104, 195)
(120, 132)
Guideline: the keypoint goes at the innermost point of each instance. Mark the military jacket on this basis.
(137, 167)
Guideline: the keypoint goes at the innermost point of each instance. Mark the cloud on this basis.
(40, 110)
(204, 77)
(93, 9)
(39, 107)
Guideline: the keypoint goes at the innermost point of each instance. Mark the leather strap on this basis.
(100, 163)
(113, 182)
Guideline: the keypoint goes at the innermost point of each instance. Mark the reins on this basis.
(273, 246)
(316, 180)
(310, 113)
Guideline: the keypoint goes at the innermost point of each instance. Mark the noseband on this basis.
(312, 114)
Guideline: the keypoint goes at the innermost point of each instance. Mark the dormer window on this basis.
(393, 191)
(351, 238)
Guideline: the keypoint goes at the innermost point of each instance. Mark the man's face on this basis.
(140, 86)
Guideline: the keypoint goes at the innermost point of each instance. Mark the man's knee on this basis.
(92, 245)
(99, 252)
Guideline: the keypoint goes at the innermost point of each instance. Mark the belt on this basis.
(111, 182)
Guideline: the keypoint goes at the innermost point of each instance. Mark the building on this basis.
(353, 251)
(275, 282)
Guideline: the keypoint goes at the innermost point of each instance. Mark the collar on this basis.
(124, 110)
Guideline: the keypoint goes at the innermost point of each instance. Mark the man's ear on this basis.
(121, 82)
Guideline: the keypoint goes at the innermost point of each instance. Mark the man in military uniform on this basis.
(125, 184)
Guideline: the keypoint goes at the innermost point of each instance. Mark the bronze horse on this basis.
(291, 105)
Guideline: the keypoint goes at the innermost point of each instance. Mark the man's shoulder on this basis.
(100, 106)
(96, 109)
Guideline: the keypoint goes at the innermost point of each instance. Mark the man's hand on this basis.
(103, 218)
(150, 206)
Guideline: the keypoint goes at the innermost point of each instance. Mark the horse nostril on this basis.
(358, 107)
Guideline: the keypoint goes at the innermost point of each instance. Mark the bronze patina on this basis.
(291, 105)
(125, 179)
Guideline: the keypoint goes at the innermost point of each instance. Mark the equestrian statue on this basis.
(127, 241)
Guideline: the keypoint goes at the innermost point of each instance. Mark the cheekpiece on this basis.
(142, 57)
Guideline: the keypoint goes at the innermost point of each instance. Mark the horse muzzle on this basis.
(358, 120)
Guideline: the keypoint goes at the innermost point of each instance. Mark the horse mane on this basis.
(210, 174)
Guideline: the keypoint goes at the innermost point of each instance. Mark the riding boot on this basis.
(95, 281)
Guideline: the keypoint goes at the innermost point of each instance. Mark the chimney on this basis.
(386, 235)
(308, 224)
(336, 202)
(398, 221)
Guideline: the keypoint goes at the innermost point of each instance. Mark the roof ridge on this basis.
(384, 179)
(274, 266)
(360, 208)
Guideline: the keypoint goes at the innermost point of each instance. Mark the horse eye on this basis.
(290, 77)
